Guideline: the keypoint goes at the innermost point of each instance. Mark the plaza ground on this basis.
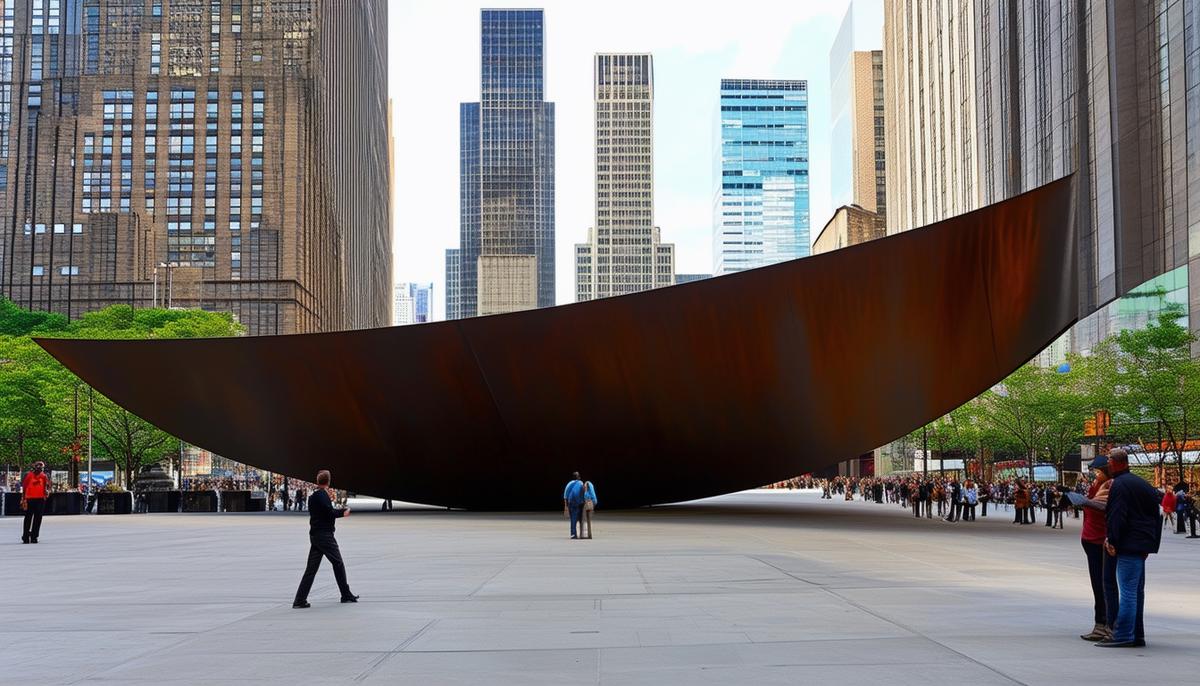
(762, 588)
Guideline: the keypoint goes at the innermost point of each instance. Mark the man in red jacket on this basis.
(35, 487)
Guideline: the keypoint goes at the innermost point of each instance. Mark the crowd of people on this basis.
(961, 500)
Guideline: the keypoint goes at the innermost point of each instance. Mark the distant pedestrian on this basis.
(1134, 531)
(35, 488)
(970, 500)
(573, 501)
(321, 519)
(1168, 508)
(1180, 491)
(387, 504)
(300, 499)
(589, 506)
(1021, 503)
(955, 501)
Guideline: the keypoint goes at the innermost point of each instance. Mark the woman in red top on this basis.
(34, 489)
(1100, 565)
(1168, 506)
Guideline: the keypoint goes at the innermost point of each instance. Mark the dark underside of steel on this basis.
(661, 396)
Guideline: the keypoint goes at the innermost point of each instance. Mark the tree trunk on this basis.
(1179, 453)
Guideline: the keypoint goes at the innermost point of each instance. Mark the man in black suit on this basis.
(322, 544)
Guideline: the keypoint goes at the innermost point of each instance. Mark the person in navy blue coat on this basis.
(1134, 530)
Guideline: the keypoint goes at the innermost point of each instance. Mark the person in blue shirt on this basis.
(589, 504)
(573, 501)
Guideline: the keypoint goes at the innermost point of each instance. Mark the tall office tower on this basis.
(453, 263)
(624, 253)
(858, 175)
(760, 206)
(929, 119)
(403, 306)
(411, 304)
(268, 196)
(1040, 89)
(506, 184)
(1101, 89)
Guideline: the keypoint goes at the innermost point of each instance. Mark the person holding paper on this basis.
(1100, 565)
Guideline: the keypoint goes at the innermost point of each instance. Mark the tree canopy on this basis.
(38, 395)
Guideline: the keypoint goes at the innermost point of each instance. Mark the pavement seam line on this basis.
(398, 649)
(493, 576)
(915, 632)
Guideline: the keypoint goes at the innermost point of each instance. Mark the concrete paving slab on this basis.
(763, 587)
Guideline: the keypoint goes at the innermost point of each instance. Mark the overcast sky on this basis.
(434, 65)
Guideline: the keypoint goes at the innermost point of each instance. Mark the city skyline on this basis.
(689, 65)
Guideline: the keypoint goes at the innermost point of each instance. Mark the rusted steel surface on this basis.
(661, 396)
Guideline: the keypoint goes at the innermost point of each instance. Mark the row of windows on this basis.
(69, 270)
(764, 108)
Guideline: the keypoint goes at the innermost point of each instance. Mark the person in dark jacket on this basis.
(955, 501)
(321, 517)
(1133, 532)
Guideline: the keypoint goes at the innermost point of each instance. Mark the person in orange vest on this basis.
(35, 487)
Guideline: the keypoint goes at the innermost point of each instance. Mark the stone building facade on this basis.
(230, 156)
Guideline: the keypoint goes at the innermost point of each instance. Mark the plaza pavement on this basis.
(755, 588)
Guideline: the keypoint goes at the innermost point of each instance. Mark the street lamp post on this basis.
(91, 484)
(925, 450)
(168, 266)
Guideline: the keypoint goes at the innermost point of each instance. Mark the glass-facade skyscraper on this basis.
(761, 202)
(506, 185)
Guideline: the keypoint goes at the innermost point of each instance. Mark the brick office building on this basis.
(222, 154)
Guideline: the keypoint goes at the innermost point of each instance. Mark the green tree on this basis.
(128, 440)
(1040, 410)
(28, 389)
(1063, 404)
(37, 393)
(1155, 380)
(953, 432)
(1009, 410)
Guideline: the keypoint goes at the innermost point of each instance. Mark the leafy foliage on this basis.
(37, 394)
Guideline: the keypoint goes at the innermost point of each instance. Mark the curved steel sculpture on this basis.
(660, 396)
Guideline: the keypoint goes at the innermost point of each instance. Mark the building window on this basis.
(39, 270)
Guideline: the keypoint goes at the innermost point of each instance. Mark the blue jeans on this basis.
(1112, 598)
(1131, 583)
(576, 512)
